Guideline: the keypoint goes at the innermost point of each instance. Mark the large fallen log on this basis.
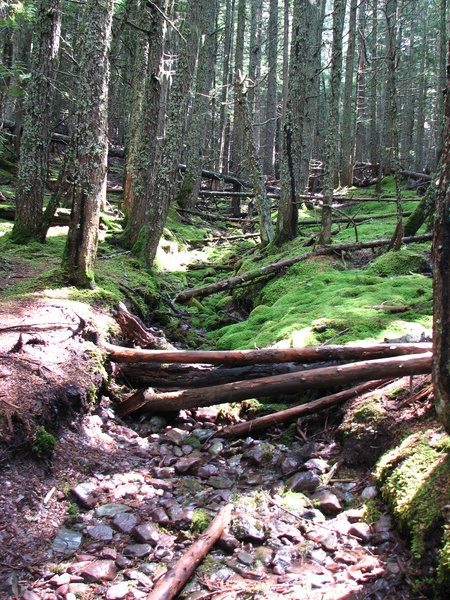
(176, 577)
(261, 423)
(225, 284)
(264, 356)
(290, 383)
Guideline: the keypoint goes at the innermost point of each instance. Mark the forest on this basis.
(224, 308)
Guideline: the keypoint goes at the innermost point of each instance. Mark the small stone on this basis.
(220, 482)
(125, 522)
(58, 580)
(99, 570)
(369, 493)
(179, 516)
(29, 595)
(216, 448)
(76, 589)
(282, 529)
(102, 533)
(111, 510)
(246, 558)
(288, 464)
(247, 529)
(146, 533)
(140, 577)
(67, 541)
(306, 481)
(118, 591)
(206, 471)
(85, 493)
(328, 502)
(228, 542)
(188, 463)
(264, 555)
(159, 515)
(314, 515)
(157, 423)
(317, 464)
(176, 435)
(361, 531)
(138, 550)
(383, 524)
(283, 558)
(318, 555)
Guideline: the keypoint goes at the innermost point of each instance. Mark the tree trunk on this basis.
(290, 383)
(259, 187)
(270, 126)
(264, 356)
(163, 189)
(224, 121)
(37, 124)
(187, 196)
(441, 277)
(90, 143)
(347, 102)
(332, 143)
(142, 149)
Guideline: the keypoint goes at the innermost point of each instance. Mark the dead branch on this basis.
(176, 577)
(264, 356)
(261, 423)
(290, 383)
(134, 330)
(225, 284)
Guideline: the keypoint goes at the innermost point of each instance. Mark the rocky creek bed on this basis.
(119, 505)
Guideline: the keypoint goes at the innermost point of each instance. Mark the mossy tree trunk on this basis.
(90, 143)
(441, 277)
(145, 121)
(163, 189)
(297, 128)
(189, 190)
(37, 124)
(256, 174)
(332, 142)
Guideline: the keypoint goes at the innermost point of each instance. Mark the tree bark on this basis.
(269, 132)
(176, 577)
(441, 277)
(290, 383)
(282, 416)
(259, 188)
(265, 356)
(90, 143)
(37, 124)
(332, 142)
(269, 270)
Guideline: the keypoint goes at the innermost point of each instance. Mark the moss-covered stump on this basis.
(415, 482)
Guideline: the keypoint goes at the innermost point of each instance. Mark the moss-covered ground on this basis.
(335, 299)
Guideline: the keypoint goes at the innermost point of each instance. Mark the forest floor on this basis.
(95, 506)
(116, 503)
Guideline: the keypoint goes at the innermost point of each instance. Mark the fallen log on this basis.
(135, 331)
(225, 284)
(261, 423)
(290, 383)
(264, 356)
(177, 576)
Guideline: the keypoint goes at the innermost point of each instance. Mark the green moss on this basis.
(415, 482)
(294, 501)
(369, 412)
(44, 443)
(397, 262)
(201, 518)
(192, 441)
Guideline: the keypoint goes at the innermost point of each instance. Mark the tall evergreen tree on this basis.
(90, 143)
(37, 124)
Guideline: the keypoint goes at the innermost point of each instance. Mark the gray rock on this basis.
(317, 464)
(179, 516)
(206, 471)
(289, 463)
(159, 515)
(188, 463)
(78, 589)
(203, 434)
(140, 577)
(67, 541)
(264, 554)
(306, 481)
(361, 531)
(138, 550)
(283, 558)
(102, 533)
(111, 510)
(125, 522)
(282, 529)
(369, 493)
(220, 482)
(176, 435)
(146, 533)
(318, 555)
(86, 494)
(99, 570)
(328, 502)
(117, 591)
(157, 423)
(216, 448)
(247, 529)
(228, 542)
(246, 558)
(314, 515)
